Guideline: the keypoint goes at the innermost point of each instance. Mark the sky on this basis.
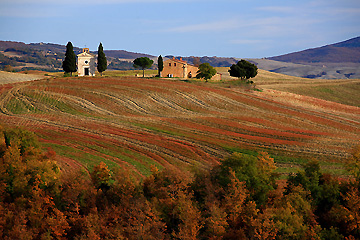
(223, 28)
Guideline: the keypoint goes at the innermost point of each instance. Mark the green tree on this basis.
(160, 65)
(257, 173)
(143, 63)
(205, 71)
(243, 70)
(353, 163)
(69, 63)
(323, 190)
(293, 216)
(102, 63)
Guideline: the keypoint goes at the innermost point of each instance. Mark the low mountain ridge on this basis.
(343, 52)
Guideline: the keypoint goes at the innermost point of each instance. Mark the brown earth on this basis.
(135, 123)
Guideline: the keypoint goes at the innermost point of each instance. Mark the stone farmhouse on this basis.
(86, 63)
(181, 69)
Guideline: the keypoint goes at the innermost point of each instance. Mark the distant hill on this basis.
(342, 52)
(122, 54)
(314, 70)
(335, 61)
(49, 56)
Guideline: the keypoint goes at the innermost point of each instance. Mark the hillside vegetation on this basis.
(135, 123)
(237, 199)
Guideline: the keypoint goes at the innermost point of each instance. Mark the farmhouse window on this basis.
(174, 64)
(169, 64)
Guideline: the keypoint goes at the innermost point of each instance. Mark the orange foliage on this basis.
(38, 202)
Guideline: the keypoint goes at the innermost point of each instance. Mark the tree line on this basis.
(237, 199)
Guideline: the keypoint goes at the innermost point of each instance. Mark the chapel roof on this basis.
(85, 53)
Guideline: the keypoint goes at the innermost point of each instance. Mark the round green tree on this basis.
(243, 70)
(102, 63)
(143, 63)
(69, 63)
(205, 71)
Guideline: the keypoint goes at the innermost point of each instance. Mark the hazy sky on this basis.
(228, 28)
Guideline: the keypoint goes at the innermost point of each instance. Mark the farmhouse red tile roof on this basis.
(180, 60)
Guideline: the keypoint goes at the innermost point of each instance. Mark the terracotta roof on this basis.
(180, 61)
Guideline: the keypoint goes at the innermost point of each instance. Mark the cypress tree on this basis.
(69, 63)
(160, 65)
(102, 63)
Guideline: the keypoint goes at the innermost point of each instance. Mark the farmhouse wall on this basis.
(181, 69)
(176, 68)
(217, 77)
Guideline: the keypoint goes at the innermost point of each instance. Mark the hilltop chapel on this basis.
(86, 63)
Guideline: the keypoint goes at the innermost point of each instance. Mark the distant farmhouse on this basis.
(181, 69)
(86, 63)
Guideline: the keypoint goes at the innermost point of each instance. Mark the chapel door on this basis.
(86, 71)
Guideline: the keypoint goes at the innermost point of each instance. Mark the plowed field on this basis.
(135, 123)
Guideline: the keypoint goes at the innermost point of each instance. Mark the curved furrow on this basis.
(169, 104)
(123, 101)
(195, 100)
(143, 143)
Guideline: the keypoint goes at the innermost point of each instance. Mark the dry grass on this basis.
(344, 91)
(8, 77)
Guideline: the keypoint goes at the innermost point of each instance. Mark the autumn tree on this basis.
(69, 63)
(233, 200)
(143, 63)
(29, 188)
(168, 190)
(206, 71)
(347, 216)
(101, 176)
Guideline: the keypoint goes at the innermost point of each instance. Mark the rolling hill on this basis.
(342, 52)
(335, 61)
(133, 123)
